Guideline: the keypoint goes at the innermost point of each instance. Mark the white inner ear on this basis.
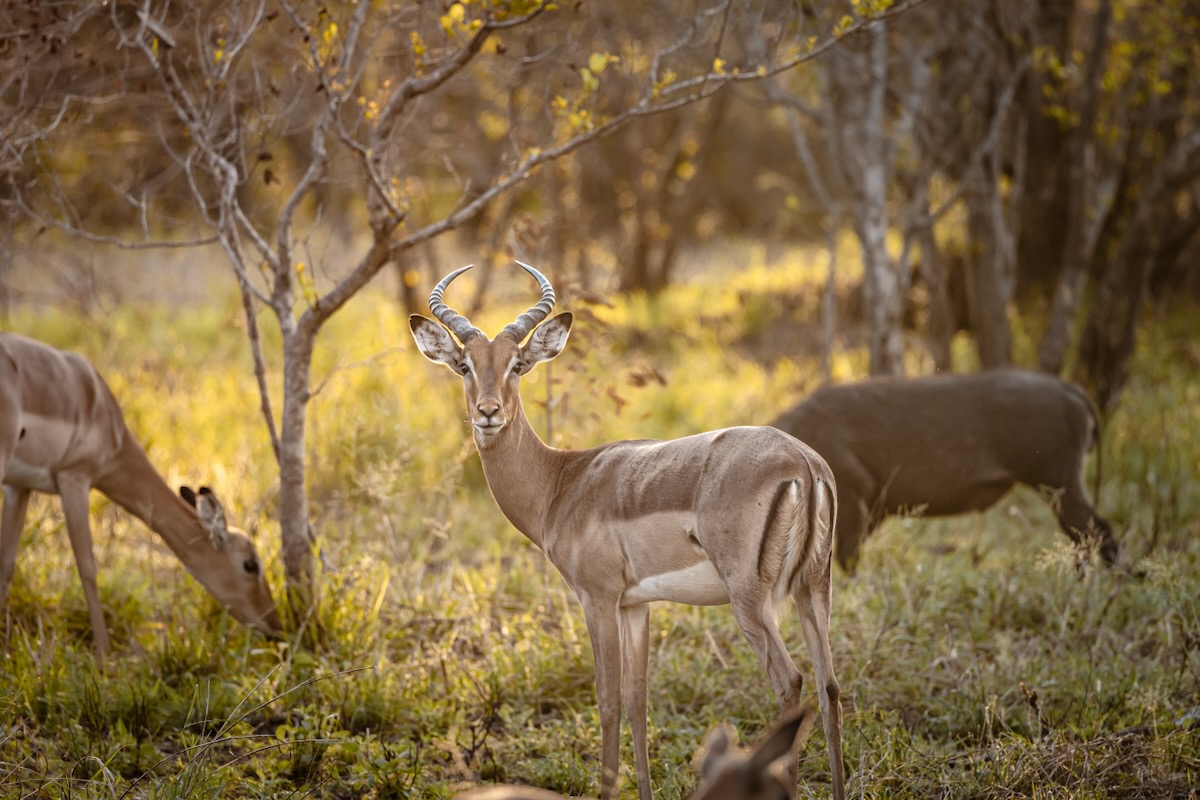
(435, 343)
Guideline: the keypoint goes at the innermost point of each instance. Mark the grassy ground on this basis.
(975, 660)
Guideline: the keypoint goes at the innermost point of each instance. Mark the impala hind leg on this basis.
(605, 632)
(757, 621)
(635, 650)
(758, 624)
(813, 603)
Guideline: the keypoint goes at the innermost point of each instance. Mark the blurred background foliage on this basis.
(1031, 157)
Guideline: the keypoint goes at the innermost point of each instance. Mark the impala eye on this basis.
(518, 368)
(464, 369)
(251, 566)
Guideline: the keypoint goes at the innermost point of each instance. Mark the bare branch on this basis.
(316, 169)
(419, 85)
(260, 365)
(79, 232)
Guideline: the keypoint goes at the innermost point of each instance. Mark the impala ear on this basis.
(212, 517)
(548, 339)
(434, 341)
(777, 746)
(717, 743)
(188, 495)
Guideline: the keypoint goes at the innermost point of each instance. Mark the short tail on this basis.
(808, 509)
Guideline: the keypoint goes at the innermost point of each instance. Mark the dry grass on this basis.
(977, 661)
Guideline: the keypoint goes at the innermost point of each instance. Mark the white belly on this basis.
(697, 585)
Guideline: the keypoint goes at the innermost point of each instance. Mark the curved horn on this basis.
(459, 325)
(525, 323)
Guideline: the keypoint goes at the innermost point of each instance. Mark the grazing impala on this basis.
(762, 771)
(949, 444)
(62, 432)
(742, 516)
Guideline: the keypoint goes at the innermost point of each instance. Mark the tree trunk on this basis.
(1042, 212)
(1076, 239)
(295, 535)
(1110, 334)
(829, 296)
(941, 317)
(883, 297)
(987, 298)
(883, 288)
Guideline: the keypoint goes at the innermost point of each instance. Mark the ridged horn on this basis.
(459, 325)
(525, 323)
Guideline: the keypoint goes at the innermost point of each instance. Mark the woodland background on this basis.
(231, 208)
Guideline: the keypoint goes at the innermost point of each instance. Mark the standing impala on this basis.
(62, 432)
(742, 516)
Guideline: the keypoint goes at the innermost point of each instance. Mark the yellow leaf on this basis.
(719, 66)
(493, 125)
(597, 62)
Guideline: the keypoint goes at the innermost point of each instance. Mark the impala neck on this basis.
(131, 482)
(522, 472)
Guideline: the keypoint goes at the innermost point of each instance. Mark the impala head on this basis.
(759, 772)
(491, 369)
(232, 572)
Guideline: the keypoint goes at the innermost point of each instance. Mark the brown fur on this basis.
(951, 444)
(628, 523)
(62, 432)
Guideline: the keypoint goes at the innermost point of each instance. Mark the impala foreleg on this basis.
(635, 649)
(604, 631)
(12, 521)
(74, 493)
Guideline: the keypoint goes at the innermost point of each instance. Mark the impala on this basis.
(762, 771)
(62, 432)
(743, 516)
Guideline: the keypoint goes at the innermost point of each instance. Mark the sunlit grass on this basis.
(976, 660)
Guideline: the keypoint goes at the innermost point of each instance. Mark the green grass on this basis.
(976, 661)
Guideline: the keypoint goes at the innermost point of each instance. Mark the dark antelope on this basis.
(742, 516)
(950, 444)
